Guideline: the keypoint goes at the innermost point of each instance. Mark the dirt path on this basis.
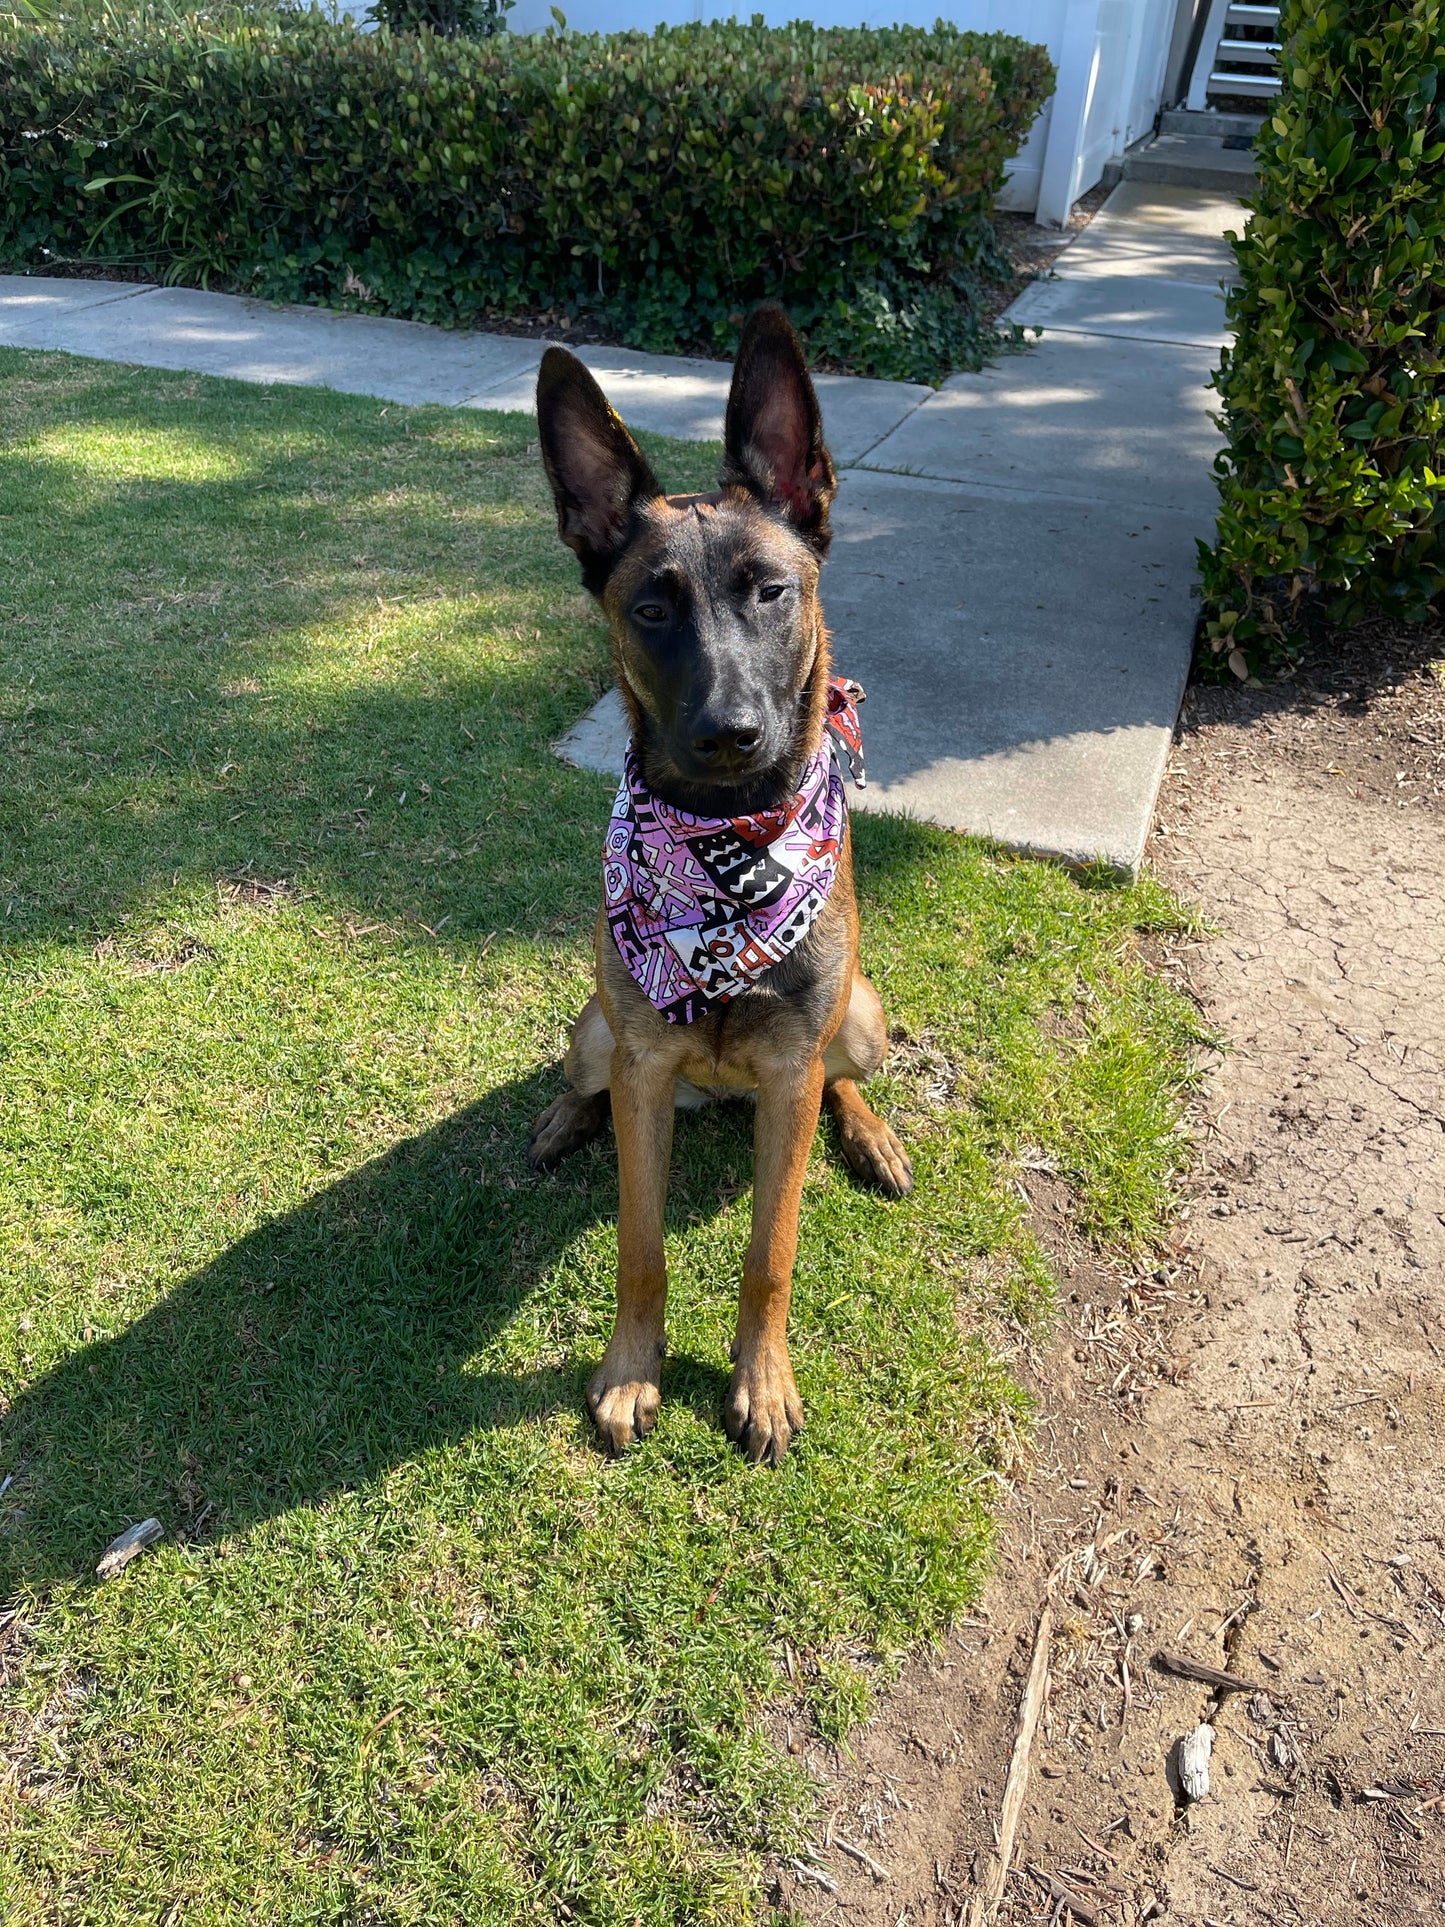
(1241, 1455)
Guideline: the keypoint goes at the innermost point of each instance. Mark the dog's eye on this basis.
(771, 591)
(650, 612)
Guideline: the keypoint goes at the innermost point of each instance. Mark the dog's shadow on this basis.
(339, 1340)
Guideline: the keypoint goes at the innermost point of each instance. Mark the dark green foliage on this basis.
(1334, 393)
(665, 180)
(450, 18)
(908, 328)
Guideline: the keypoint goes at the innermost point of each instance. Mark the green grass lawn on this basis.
(295, 907)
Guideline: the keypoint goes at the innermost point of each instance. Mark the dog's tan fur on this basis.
(807, 1035)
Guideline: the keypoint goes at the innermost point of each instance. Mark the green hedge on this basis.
(1334, 392)
(665, 179)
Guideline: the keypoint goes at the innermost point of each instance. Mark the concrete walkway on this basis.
(1011, 578)
(401, 361)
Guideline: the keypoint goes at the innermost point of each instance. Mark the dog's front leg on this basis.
(626, 1389)
(763, 1409)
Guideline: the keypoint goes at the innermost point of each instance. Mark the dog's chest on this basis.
(703, 1076)
(687, 1096)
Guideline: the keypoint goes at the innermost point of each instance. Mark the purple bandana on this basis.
(700, 907)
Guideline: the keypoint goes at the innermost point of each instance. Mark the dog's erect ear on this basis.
(599, 475)
(774, 433)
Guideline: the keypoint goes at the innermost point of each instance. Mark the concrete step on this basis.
(1262, 82)
(1210, 123)
(1190, 160)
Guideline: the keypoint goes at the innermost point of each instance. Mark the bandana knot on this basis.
(701, 907)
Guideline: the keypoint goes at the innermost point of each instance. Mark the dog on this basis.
(722, 661)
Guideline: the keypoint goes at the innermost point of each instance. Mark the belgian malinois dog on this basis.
(722, 661)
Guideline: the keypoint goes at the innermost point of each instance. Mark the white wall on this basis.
(1033, 19)
(1111, 56)
(1133, 40)
(1111, 76)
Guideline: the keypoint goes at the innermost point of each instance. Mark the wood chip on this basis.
(1194, 1751)
(119, 1553)
(1224, 1874)
(1350, 1603)
(816, 1874)
(1187, 1668)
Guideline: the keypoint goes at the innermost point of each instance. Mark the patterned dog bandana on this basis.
(700, 907)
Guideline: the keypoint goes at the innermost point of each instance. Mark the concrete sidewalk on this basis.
(401, 361)
(1011, 578)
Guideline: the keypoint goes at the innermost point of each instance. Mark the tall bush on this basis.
(1334, 391)
(449, 18)
(666, 179)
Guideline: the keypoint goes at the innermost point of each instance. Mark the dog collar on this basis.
(701, 907)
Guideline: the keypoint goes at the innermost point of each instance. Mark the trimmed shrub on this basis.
(1334, 392)
(662, 180)
(449, 18)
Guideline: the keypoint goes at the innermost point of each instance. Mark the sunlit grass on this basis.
(295, 906)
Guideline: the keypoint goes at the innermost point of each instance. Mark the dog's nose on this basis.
(730, 743)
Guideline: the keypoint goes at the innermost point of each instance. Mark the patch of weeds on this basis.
(919, 332)
(839, 1699)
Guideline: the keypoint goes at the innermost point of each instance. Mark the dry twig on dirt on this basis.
(986, 1904)
(1065, 1897)
(1186, 1668)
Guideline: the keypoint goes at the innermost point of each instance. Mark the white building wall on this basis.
(1115, 50)
(1110, 59)
(1132, 39)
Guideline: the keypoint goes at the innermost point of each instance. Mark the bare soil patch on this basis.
(1238, 1457)
(1364, 712)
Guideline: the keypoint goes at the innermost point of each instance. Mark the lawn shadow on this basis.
(181, 711)
(336, 1341)
(338, 651)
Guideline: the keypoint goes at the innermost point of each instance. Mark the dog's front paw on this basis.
(762, 1411)
(624, 1395)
